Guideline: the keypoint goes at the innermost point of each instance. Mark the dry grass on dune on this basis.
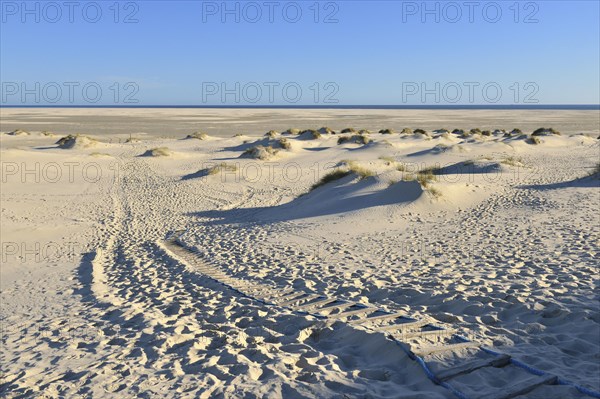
(197, 135)
(75, 141)
(158, 152)
(260, 152)
(310, 134)
(222, 167)
(350, 167)
(356, 138)
(334, 175)
(18, 132)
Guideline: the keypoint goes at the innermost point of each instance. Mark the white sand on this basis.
(507, 255)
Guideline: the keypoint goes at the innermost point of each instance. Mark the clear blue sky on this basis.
(378, 52)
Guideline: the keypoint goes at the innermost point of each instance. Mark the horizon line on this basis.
(345, 106)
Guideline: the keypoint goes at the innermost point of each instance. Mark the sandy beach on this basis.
(185, 253)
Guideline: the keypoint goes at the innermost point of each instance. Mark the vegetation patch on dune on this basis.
(260, 152)
(222, 167)
(326, 130)
(271, 134)
(355, 138)
(542, 131)
(197, 135)
(512, 161)
(427, 176)
(350, 167)
(75, 141)
(310, 134)
(533, 140)
(284, 143)
(99, 154)
(294, 132)
(516, 133)
(158, 152)
(386, 131)
(19, 132)
(358, 170)
(331, 176)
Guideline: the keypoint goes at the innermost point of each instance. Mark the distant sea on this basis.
(577, 107)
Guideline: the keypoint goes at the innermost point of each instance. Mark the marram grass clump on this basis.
(260, 152)
(310, 134)
(334, 175)
(158, 152)
(355, 138)
(426, 176)
(542, 131)
(76, 141)
(359, 170)
(222, 167)
(351, 167)
(197, 136)
(533, 140)
(284, 143)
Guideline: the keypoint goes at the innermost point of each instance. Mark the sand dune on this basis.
(486, 237)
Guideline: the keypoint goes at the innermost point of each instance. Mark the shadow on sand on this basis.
(582, 182)
(345, 195)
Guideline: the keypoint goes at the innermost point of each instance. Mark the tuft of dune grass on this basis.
(19, 132)
(355, 138)
(71, 141)
(334, 175)
(512, 161)
(311, 134)
(222, 167)
(351, 168)
(284, 143)
(158, 152)
(359, 170)
(326, 130)
(426, 176)
(534, 140)
(197, 135)
(260, 152)
(542, 131)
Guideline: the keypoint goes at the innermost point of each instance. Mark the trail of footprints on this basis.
(450, 357)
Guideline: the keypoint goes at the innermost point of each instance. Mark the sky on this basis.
(315, 53)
